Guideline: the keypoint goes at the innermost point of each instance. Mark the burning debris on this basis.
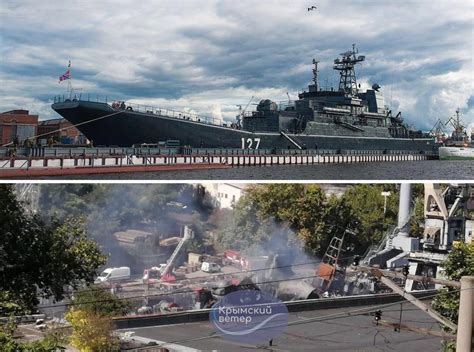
(289, 274)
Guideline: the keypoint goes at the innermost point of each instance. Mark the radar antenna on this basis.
(345, 66)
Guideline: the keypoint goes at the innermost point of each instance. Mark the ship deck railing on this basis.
(146, 109)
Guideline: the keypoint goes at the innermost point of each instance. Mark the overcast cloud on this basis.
(209, 56)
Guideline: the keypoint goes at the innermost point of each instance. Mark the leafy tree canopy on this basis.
(91, 331)
(460, 262)
(109, 208)
(39, 258)
(100, 301)
(311, 215)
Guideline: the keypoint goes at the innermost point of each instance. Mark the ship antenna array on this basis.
(346, 68)
(315, 74)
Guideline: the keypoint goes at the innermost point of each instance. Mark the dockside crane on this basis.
(438, 131)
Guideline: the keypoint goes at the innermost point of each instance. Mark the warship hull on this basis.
(103, 125)
(456, 153)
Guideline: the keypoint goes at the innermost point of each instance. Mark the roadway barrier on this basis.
(293, 306)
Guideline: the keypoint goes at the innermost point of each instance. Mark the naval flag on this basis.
(67, 75)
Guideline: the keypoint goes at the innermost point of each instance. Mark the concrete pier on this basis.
(105, 160)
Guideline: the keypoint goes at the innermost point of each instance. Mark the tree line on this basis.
(302, 214)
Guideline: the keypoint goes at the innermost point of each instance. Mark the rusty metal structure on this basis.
(327, 268)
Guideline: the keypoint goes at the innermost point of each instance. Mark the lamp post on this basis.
(385, 196)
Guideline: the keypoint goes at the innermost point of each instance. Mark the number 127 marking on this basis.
(249, 142)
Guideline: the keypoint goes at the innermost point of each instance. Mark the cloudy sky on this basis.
(210, 55)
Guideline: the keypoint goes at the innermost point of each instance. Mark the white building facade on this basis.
(224, 195)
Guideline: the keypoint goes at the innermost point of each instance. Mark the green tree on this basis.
(91, 321)
(53, 341)
(122, 206)
(460, 262)
(100, 301)
(367, 209)
(92, 331)
(278, 210)
(313, 217)
(39, 258)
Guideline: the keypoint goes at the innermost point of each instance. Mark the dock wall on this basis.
(65, 161)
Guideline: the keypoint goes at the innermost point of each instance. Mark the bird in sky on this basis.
(312, 8)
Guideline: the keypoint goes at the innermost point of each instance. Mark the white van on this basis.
(210, 267)
(114, 274)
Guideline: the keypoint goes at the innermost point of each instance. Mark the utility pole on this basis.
(413, 300)
(464, 341)
(465, 327)
(385, 195)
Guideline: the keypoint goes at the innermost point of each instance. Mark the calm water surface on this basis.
(407, 170)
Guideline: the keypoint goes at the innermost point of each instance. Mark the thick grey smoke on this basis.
(159, 210)
(289, 268)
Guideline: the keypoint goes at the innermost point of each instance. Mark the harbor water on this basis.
(405, 170)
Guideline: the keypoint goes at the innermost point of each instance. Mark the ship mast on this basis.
(346, 68)
(69, 81)
(315, 74)
(315, 86)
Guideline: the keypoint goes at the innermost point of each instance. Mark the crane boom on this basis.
(188, 234)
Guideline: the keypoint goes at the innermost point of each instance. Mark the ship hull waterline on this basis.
(127, 128)
(456, 153)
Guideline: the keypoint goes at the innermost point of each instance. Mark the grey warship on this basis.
(338, 119)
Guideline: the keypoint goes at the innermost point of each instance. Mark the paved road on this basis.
(350, 333)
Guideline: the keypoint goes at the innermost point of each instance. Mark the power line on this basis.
(175, 292)
(223, 274)
(184, 291)
(355, 312)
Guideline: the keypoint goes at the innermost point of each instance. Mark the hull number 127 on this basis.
(250, 143)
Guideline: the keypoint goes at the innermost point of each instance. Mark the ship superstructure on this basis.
(345, 111)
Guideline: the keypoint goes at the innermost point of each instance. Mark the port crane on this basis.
(438, 131)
